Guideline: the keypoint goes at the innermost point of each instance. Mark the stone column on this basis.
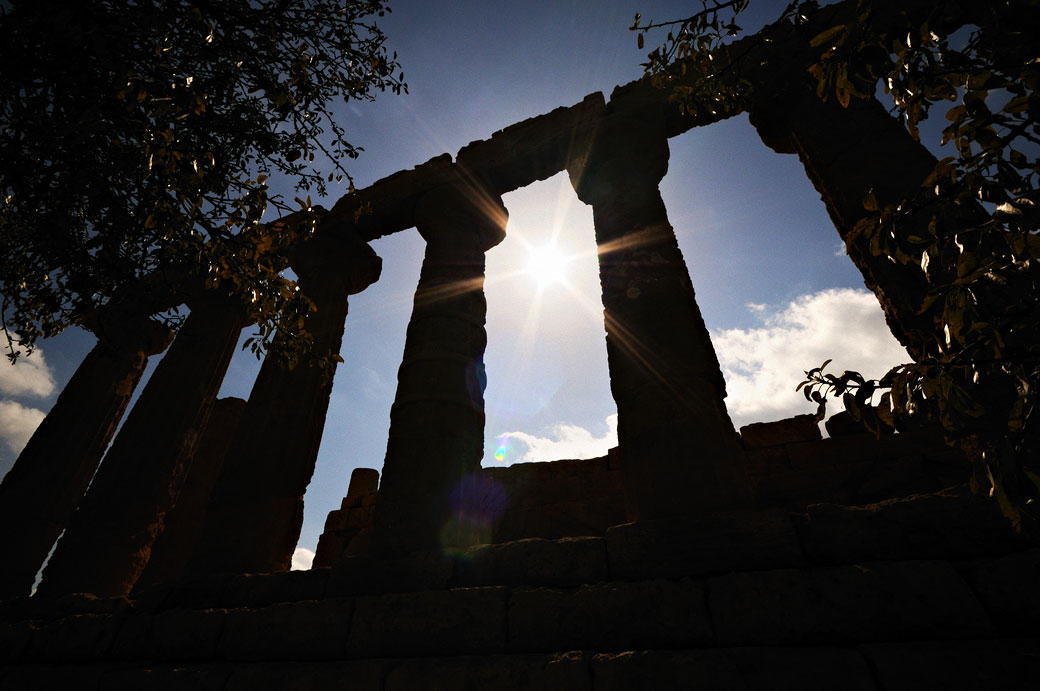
(848, 153)
(436, 439)
(681, 453)
(256, 510)
(183, 524)
(40, 493)
(108, 540)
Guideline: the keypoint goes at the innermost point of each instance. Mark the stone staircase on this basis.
(928, 591)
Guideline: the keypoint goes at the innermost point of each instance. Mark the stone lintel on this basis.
(534, 149)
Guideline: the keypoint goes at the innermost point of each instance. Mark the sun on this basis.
(547, 265)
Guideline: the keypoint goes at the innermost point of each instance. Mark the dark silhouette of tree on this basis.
(137, 140)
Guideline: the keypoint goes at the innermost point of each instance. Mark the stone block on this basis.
(314, 630)
(187, 634)
(365, 575)
(797, 488)
(771, 459)
(81, 637)
(865, 602)
(166, 678)
(609, 616)
(564, 672)
(50, 677)
(360, 675)
(459, 621)
(835, 452)
(1008, 589)
(258, 590)
(136, 639)
(805, 669)
(951, 524)
(725, 541)
(15, 637)
(978, 664)
(736, 669)
(363, 481)
(694, 670)
(199, 593)
(794, 429)
(564, 562)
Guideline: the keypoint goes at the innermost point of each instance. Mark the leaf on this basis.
(827, 34)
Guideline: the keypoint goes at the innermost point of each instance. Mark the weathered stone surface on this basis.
(257, 590)
(369, 575)
(136, 639)
(360, 675)
(734, 669)
(948, 524)
(681, 451)
(363, 482)
(184, 522)
(1008, 589)
(292, 631)
(723, 541)
(865, 602)
(199, 593)
(564, 562)
(565, 672)
(108, 541)
(708, 669)
(794, 429)
(609, 616)
(436, 437)
(255, 515)
(49, 677)
(188, 634)
(39, 494)
(765, 461)
(78, 638)
(15, 637)
(167, 678)
(534, 149)
(980, 664)
(460, 621)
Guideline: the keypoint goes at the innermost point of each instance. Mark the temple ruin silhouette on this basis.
(691, 556)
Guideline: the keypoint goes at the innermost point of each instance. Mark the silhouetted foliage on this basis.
(979, 249)
(137, 140)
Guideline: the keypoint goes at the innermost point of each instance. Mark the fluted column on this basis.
(680, 451)
(436, 439)
(108, 540)
(40, 493)
(256, 508)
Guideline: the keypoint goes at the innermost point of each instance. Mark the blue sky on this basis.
(772, 282)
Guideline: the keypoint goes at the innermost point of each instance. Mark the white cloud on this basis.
(17, 423)
(29, 376)
(302, 559)
(566, 442)
(764, 365)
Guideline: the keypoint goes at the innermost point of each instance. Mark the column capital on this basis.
(337, 255)
(463, 215)
(628, 150)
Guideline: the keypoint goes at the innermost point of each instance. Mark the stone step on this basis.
(651, 598)
(851, 604)
(967, 664)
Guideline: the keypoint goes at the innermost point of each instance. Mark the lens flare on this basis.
(477, 504)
